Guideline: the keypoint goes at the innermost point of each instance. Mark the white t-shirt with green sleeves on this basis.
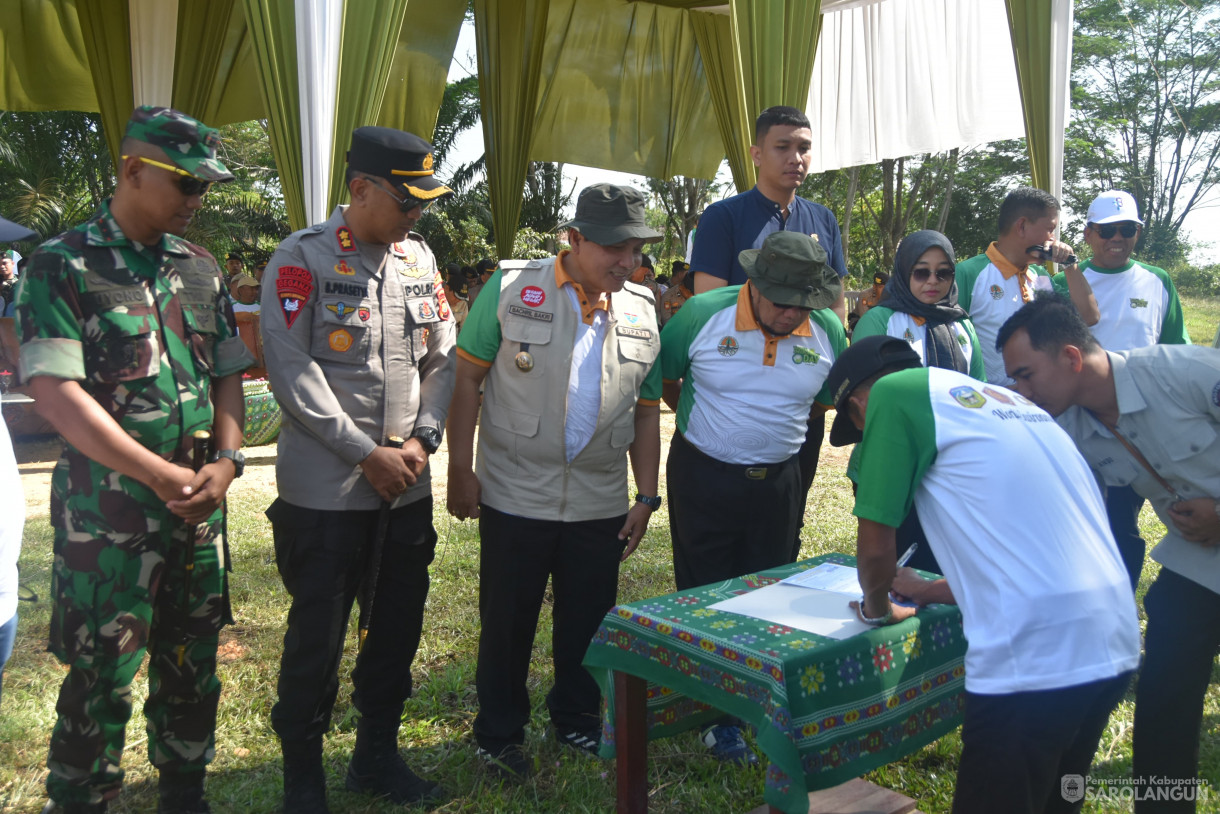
(739, 405)
(1016, 521)
(991, 298)
(1138, 303)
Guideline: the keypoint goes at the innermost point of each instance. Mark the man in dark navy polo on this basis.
(782, 152)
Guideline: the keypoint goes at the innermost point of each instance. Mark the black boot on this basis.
(181, 793)
(304, 778)
(377, 768)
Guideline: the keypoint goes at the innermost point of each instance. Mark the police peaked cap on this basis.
(404, 159)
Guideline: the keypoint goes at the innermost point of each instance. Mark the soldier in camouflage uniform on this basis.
(127, 342)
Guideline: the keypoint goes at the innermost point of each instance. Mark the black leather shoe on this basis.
(304, 778)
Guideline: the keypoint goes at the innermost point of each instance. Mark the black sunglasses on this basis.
(921, 275)
(188, 185)
(1106, 230)
(405, 205)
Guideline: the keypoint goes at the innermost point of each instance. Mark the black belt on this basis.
(751, 472)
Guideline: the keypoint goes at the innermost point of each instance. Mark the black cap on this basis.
(404, 159)
(12, 232)
(863, 360)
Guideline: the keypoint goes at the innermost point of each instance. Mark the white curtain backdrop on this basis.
(154, 37)
(902, 77)
(1060, 89)
(319, 25)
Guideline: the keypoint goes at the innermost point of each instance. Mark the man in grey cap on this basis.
(358, 339)
(564, 349)
(742, 367)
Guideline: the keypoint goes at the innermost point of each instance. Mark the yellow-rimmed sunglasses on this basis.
(188, 184)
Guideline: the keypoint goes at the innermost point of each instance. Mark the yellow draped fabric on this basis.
(1029, 23)
(366, 49)
(107, 36)
(421, 66)
(509, 39)
(272, 29)
(644, 110)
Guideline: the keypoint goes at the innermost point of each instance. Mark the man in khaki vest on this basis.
(565, 351)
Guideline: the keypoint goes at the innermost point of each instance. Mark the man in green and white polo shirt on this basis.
(1046, 607)
(993, 285)
(741, 367)
(1138, 303)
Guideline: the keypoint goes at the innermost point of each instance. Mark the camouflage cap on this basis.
(187, 143)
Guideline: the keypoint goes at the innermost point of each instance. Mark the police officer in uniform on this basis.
(358, 339)
(128, 340)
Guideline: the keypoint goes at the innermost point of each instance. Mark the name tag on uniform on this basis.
(634, 333)
(424, 309)
(530, 313)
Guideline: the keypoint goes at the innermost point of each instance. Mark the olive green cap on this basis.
(188, 143)
(791, 269)
(608, 214)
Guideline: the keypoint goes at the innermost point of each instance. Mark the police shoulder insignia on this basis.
(346, 242)
(968, 397)
(293, 285)
(728, 346)
(340, 340)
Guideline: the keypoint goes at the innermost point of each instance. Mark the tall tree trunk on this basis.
(853, 184)
(951, 175)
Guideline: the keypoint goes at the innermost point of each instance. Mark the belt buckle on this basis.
(756, 472)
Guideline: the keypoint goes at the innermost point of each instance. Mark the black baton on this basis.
(200, 441)
(370, 583)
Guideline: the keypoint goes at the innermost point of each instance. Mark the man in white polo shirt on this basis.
(1138, 307)
(1147, 418)
(741, 367)
(1046, 607)
(993, 285)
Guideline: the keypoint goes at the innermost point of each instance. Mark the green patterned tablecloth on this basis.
(826, 710)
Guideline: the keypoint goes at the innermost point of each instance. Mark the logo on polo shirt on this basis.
(997, 395)
(728, 346)
(805, 356)
(968, 397)
(996, 292)
(1138, 303)
(908, 336)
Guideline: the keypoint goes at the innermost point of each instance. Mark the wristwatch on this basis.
(653, 503)
(234, 455)
(879, 620)
(429, 438)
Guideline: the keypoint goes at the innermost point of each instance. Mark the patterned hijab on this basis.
(942, 348)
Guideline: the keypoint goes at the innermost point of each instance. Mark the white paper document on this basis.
(828, 576)
(810, 609)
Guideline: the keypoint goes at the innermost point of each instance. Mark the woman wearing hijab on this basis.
(920, 305)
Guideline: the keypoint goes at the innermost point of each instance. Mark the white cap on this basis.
(1115, 206)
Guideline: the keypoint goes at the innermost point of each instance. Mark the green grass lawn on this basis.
(436, 735)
